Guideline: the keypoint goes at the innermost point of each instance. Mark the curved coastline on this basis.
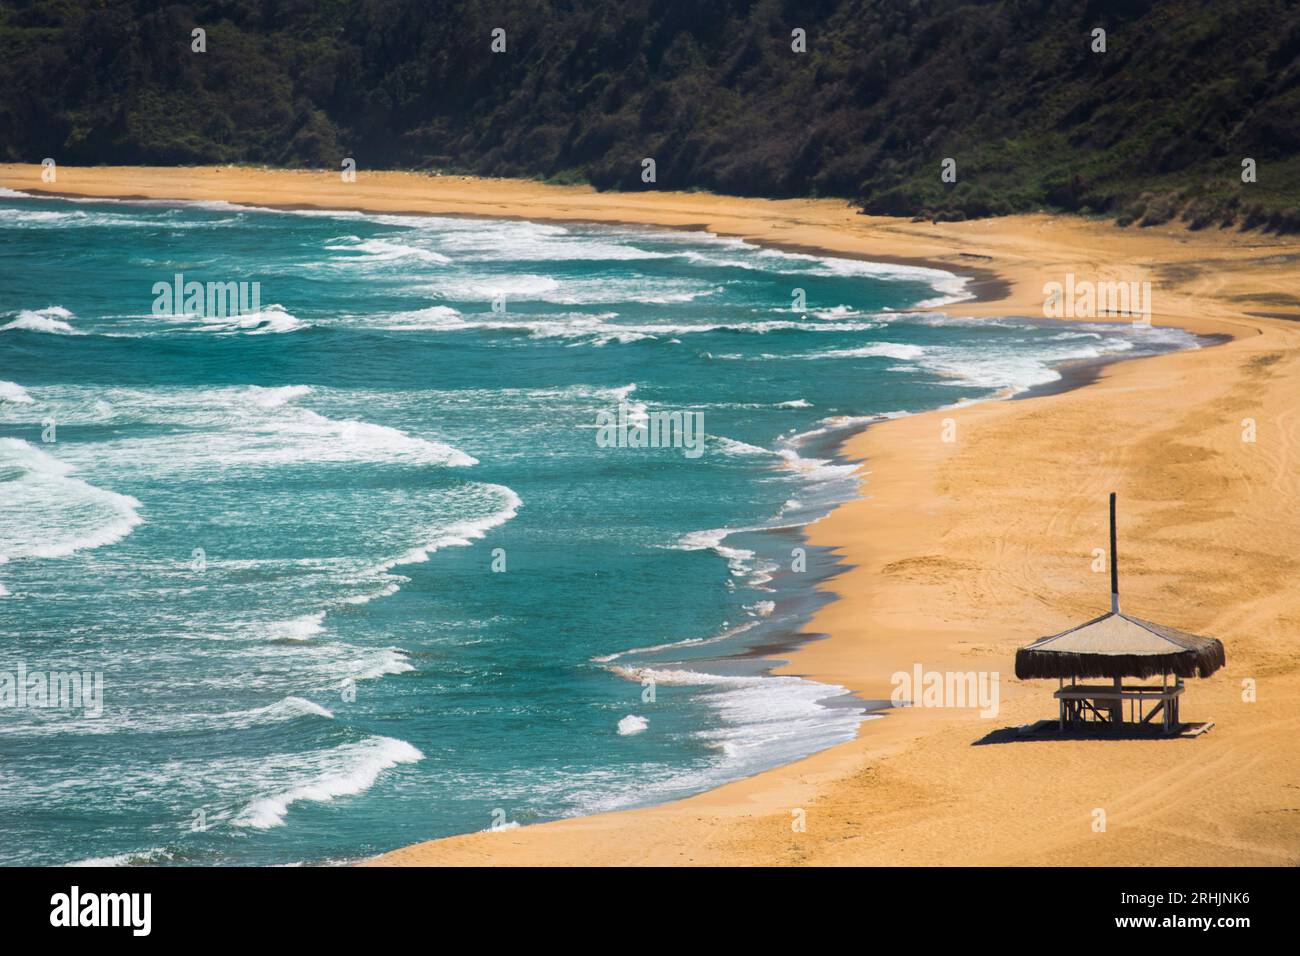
(942, 543)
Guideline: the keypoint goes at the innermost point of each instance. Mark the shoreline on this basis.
(983, 285)
(959, 577)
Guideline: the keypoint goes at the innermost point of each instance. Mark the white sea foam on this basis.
(523, 287)
(344, 771)
(297, 629)
(314, 437)
(275, 397)
(369, 251)
(816, 469)
(571, 290)
(47, 513)
(1006, 370)
(283, 710)
(463, 533)
(725, 634)
(321, 666)
(738, 559)
(730, 446)
(1013, 368)
(133, 858)
(893, 350)
(14, 393)
(54, 320)
(523, 241)
(632, 724)
(945, 319)
(765, 720)
(243, 427)
(838, 423)
(31, 218)
(836, 313)
(638, 412)
(594, 328)
(274, 319)
(51, 320)
(290, 708)
(210, 432)
(1018, 369)
(739, 254)
(286, 709)
(380, 663)
(611, 291)
(390, 587)
(27, 218)
(437, 318)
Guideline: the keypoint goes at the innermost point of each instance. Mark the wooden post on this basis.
(1164, 689)
(1114, 561)
(1117, 705)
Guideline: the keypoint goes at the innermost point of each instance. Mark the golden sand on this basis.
(960, 552)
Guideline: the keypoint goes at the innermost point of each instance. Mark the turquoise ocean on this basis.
(354, 568)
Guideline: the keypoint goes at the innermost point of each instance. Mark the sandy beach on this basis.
(958, 552)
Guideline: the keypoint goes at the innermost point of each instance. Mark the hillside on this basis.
(1153, 128)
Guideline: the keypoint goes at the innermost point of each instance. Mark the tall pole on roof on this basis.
(1114, 561)
(1117, 705)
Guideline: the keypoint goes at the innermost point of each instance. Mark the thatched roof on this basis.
(1116, 645)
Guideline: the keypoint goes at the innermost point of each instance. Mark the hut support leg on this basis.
(1117, 706)
(1169, 705)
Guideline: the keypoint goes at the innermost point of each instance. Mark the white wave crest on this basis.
(14, 393)
(297, 629)
(382, 250)
(765, 719)
(133, 858)
(344, 771)
(463, 533)
(46, 513)
(51, 320)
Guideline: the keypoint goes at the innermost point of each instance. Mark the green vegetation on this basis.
(1153, 129)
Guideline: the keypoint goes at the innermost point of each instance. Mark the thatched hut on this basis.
(1117, 646)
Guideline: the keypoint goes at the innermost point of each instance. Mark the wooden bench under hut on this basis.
(1114, 647)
